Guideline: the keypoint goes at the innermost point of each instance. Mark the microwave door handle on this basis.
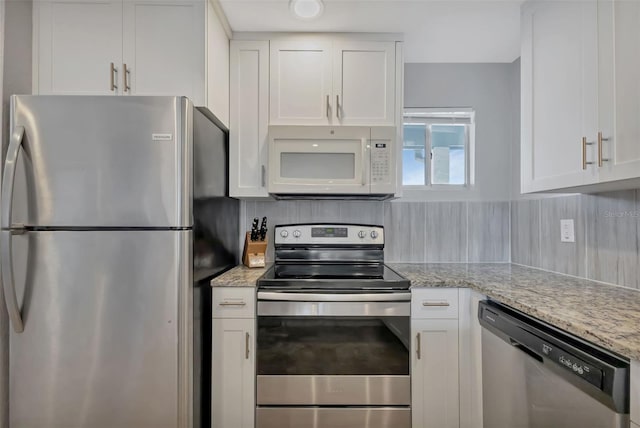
(363, 163)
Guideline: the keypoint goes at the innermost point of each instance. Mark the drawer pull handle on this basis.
(435, 304)
(232, 304)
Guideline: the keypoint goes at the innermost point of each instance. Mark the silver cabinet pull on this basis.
(232, 304)
(585, 143)
(600, 158)
(328, 106)
(263, 176)
(435, 304)
(126, 72)
(246, 346)
(113, 72)
(338, 106)
(418, 345)
(8, 177)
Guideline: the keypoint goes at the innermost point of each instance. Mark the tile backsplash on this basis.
(415, 231)
(607, 231)
(527, 232)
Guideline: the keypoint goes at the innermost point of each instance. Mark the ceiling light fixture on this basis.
(306, 9)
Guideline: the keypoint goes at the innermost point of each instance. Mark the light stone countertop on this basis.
(606, 315)
(239, 276)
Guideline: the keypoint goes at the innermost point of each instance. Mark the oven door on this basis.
(322, 160)
(323, 363)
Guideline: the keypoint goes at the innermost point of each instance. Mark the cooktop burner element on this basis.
(331, 257)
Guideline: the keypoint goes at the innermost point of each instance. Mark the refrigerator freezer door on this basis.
(107, 334)
(103, 161)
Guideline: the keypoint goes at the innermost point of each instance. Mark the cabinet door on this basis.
(163, 48)
(559, 94)
(620, 56)
(364, 82)
(434, 377)
(635, 391)
(248, 118)
(233, 373)
(301, 82)
(75, 43)
(470, 351)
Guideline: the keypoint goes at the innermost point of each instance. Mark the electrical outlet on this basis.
(567, 231)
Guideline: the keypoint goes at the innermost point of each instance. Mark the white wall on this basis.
(217, 63)
(487, 88)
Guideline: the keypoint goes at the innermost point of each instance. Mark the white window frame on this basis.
(429, 116)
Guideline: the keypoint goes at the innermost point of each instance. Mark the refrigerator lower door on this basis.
(107, 340)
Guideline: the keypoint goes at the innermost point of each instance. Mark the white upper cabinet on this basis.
(364, 82)
(301, 79)
(76, 42)
(559, 94)
(249, 118)
(163, 48)
(156, 48)
(580, 95)
(620, 68)
(325, 81)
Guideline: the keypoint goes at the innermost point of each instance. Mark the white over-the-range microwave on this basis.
(332, 162)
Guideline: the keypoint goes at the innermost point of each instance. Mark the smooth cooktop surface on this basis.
(332, 276)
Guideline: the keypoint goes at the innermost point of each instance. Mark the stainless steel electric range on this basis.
(333, 332)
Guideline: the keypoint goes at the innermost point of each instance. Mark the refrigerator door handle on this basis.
(5, 236)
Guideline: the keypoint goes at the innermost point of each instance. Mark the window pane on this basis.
(414, 155)
(448, 156)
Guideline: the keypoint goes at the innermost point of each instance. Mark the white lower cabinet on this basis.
(434, 379)
(233, 364)
(635, 393)
(446, 367)
(435, 385)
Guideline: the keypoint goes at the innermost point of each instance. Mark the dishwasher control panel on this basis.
(572, 363)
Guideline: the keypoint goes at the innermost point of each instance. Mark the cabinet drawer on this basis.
(439, 303)
(234, 302)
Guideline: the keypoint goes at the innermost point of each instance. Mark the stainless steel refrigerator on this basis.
(100, 259)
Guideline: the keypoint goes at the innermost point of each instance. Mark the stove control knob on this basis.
(374, 234)
(284, 233)
(296, 233)
(362, 234)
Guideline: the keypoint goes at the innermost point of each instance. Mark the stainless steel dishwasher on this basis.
(535, 375)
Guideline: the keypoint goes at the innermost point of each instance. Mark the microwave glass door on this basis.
(319, 165)
(313, 166)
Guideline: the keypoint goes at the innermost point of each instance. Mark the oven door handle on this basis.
(334, 297)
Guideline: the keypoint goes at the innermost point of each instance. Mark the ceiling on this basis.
(434, 30)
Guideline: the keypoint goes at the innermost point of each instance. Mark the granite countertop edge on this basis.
(607, 315)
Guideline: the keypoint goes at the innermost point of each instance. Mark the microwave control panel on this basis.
(380, 162)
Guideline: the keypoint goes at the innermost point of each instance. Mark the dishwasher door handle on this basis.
(526, 350)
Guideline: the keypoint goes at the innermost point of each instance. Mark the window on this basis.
(437, 146)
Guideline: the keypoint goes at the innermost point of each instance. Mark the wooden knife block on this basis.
(255, 252)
